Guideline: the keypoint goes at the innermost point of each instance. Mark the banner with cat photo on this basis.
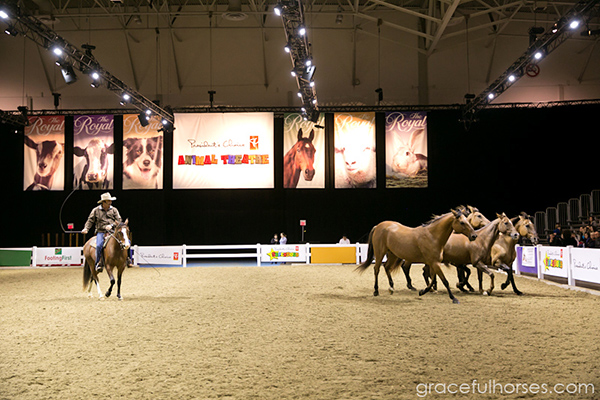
(223, 151)
(44, 166)
(142, 154)
(406, 149)
(355, 156)
(304, 152)
(93, 152)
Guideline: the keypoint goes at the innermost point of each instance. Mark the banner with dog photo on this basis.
(406, 149)
(304, 152)
(223, 151)
(44, 166)
(93, 152)
(354, 141)
(142, 154)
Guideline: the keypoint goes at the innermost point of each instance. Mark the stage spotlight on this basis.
(491, 96)
(512, 78)
(3, 14)
(58, 51)
(143, 119)
(277, 10)
(574, 24)
(300, 94)
(301, 31)
(538, 55)
(10, 30)
(68, 73)
(287, 48)
(95, 76)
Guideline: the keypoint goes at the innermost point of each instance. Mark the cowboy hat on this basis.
(106, 197)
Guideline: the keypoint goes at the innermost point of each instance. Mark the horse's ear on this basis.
(456, 213)
(299, 133)
(312, 135)
(127, 221)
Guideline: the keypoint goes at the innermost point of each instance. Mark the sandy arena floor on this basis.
(290, 332)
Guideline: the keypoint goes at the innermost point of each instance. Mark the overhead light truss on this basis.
(298, 47)
(562, 30)
(32, 28)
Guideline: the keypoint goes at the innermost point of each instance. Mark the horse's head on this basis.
(506, 227)
(462, 226)
(476, 218)
(305, 155)
(122, 234)
(526, 229)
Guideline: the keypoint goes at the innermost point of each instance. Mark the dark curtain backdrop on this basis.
(510, 160)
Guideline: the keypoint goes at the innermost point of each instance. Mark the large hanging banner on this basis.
(304, 149)
(223, 151)
(93, 152)
(44, 167)
(406, 150)
(354, 141)
(142, 154)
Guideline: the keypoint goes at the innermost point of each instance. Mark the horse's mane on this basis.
(433, 219)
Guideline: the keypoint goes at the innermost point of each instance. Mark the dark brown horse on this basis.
(299, 159)
(115, 256)
(422, 244)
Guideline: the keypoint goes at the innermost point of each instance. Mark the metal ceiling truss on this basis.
(298, 46)
(545, 44)
(70, 58)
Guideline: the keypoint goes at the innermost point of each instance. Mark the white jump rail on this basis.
(255, 254)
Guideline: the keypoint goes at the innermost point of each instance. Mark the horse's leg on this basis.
(406, 268)
(389, 266)
(480, 278)
(509, 279)
(427, 276)
(467, 272)
(437, 271)
(481, 267)
(376, 271)
(111, 277)
(119, 275)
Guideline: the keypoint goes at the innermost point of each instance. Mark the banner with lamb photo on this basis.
(44, 167)
(142, 154)
(354, 141)
(93, 152)
(406, 149)
(223, 151)
(304, 152)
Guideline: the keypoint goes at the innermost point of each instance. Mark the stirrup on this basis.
(98, 267)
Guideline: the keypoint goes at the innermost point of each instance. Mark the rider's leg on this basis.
(99, 248)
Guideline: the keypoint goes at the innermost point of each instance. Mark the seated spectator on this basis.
(567, 239)
(593, 241)
(553, 239)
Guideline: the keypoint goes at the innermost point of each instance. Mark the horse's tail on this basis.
(370, 255)
(87, 274)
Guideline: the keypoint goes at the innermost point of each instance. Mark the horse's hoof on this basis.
(421, 292)
(486, 293)
(504, 285)
(455, 301)
(519, 293)
(391, 290)
(412, 287)
(375, 294)
(119, 297)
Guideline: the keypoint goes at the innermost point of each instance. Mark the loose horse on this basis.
(458, 251)
(115, 256)
(422, 244)
(299, 159)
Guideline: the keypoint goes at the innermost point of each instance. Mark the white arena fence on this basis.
(570, 265)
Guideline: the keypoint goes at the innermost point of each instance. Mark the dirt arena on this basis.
(290, 332)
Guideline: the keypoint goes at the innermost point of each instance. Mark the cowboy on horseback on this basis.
(104, 218)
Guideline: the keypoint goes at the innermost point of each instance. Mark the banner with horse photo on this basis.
(44, 166)
(93, 152)
(406, 149)
(304, 149)
(223, 151)
(142, 154)
(355, 157)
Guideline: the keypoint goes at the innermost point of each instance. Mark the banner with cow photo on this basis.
(44, 167)
(93, 152)
(406, 149)
(142, 154)
(223, 151)
(354, 141)
(304, 152)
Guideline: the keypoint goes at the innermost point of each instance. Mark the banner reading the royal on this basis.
(142, 154)
(93, 152)
(44, 167)
(354, 141)
(406, 149)
(223, 151)
(304, 149)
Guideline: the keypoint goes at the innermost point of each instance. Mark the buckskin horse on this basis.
(115, 252)
(299, 159)
(422, 244)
